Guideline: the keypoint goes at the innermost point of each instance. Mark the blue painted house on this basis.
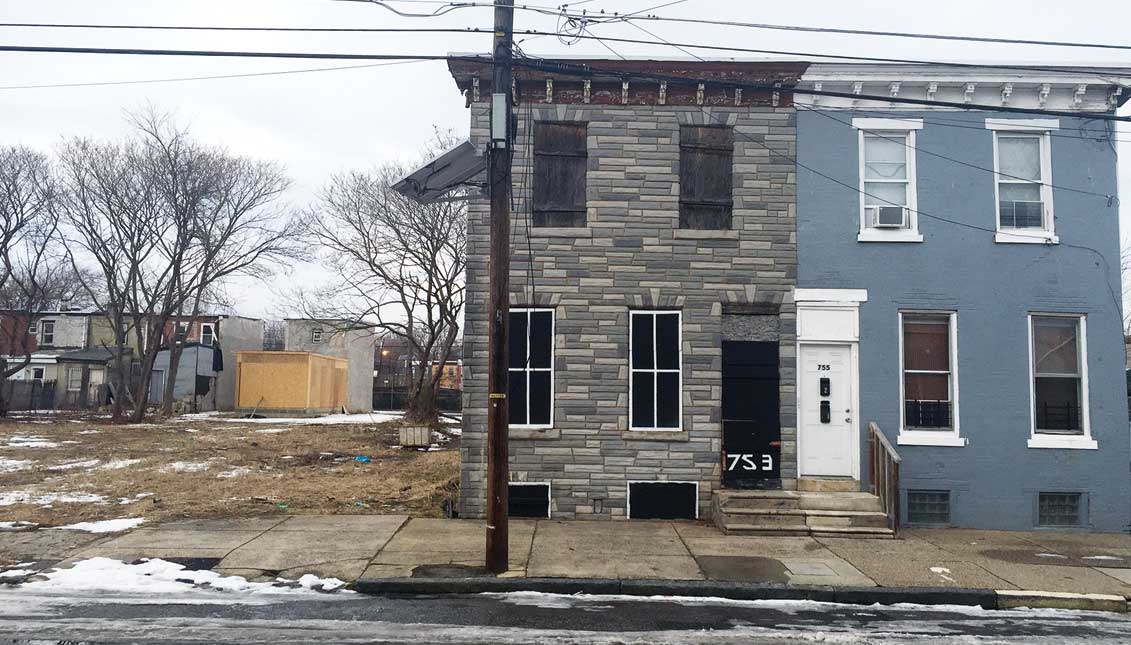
(958, 286)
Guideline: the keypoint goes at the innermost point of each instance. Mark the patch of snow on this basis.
(8, 498)
(160, 576)
(238, 471)
(272, 430)
(186, 467)
(455, 432)
(87, 463)
(116, 464)
(942, 572)
(136, 498)
(105, 526)
(192, 430)
(15, 526)
(195, 416)
(16, 573)
(30, 441)
(14, 465)
(1100, 557)
(330, 419)
(1051, 555)
(431, 448)
(87, 431)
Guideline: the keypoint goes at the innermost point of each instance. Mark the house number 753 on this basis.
(748, 462)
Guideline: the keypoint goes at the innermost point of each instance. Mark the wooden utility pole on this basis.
(499, 180)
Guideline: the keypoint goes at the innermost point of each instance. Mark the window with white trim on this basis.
(887, 180)
(33, 328)
(47, 332)
(37, 373)
(316, 335)
(530, 401)
(1023, 179)
(1058, 375)
(207, 334)
(655, 374)
(74, 379)
(928, 363)
(928, 392)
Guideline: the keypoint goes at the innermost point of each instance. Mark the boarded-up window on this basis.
(706, 156)
(560, 159)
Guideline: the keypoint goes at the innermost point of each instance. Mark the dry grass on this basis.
(304, 469)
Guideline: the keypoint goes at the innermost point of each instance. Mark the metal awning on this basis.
(433, 181)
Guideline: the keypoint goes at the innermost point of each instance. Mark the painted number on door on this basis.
(822, 367)
(750, 462)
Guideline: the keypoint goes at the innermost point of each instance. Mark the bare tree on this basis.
(166, 221)
(398, 265)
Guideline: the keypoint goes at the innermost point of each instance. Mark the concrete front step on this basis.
(802, 530)
(777, 517)
(788, 499)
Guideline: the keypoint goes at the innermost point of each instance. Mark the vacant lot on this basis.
(59, 469)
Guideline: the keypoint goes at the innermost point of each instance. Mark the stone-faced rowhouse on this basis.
(754, 305)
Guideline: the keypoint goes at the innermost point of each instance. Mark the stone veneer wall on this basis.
(632, 256)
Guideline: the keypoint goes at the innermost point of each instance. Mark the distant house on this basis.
(198, 372)
(341, 339)
(46, 335)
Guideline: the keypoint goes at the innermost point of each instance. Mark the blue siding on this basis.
(995, 478)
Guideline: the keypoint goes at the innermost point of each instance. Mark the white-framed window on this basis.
(928, 384)
(655, 382)
(33, 328)
(181, 329)
(1058, 383)
(1023, 180)
(47, 332)
(316, 335)
(37, 374)
(888, 201)
(74, 379)
(207, 334)
(530, 401)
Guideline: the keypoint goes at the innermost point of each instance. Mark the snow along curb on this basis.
(985, 598)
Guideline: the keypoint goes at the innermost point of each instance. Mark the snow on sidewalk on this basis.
(328, 420)
(106, 526)
(161, 576)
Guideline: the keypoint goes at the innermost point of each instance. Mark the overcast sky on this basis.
(321, 123)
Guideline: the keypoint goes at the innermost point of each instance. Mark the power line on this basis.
(228, 54)
(206, 78)
(581, 34)
(916, 148)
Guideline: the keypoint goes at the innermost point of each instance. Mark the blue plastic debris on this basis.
(362, 459)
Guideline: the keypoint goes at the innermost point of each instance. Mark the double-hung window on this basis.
(706, 177)
(47, 332)
(655, 376)
(530, 402)
(74, 379)
(561, 159)
(1023, 176)
(929, 379)
(207, 334)
(887, 180)
(1059, 382)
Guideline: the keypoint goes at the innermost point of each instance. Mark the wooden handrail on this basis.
(885, 462)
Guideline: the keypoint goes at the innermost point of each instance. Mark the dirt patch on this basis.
(61, 470)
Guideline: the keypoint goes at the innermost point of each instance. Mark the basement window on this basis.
(528, 499)
(1059, 509)
(706, 177)
(928, 507)
(663, 500)
(561, 159)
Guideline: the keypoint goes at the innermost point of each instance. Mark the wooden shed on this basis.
(290, 383)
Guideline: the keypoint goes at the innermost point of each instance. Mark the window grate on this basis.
(1058, 509)
(927, 414)
(1053, 418)
(928, 507)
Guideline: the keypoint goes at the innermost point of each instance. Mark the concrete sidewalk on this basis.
(376, 548)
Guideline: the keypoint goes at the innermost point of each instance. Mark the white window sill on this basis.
(880, 235)
(945, 438)
(1070, 442)
(1036, 237)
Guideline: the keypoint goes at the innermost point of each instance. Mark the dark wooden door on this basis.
(751, 415)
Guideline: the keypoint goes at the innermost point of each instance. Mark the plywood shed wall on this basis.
(290, 382)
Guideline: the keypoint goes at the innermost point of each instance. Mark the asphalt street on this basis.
(27, 616)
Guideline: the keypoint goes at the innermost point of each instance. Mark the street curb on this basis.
(985, 598)
(1009, 599)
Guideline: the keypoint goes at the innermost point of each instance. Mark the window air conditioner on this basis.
(888, 216)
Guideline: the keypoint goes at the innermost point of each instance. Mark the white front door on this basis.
(826, 441)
